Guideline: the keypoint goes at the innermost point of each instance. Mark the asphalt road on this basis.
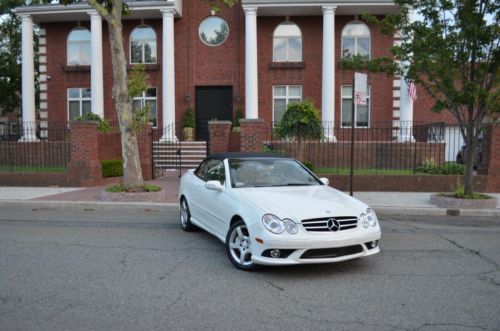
(136, 270)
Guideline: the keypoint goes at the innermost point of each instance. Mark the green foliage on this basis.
(451, 168)
(300, 120)
(102, 126)
(216, 5)
(112, 168)
(461, 194)
(308, 165)
(237, 117)
(133, 188)
(137, 80)
(189, 118)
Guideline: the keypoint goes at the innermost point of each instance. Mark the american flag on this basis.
(412, 90)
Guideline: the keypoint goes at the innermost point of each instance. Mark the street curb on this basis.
(434, 211)
(89, 205)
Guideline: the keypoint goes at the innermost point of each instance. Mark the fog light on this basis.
(373, 244)
(275, 253)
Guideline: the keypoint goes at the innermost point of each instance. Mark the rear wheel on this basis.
(239, 246)
(186, 217)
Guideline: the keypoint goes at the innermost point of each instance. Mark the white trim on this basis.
(203, 41)
(42, 41)
(43, 104)
(287, 57)
(396, 104)
(80, 100)
(251, 64)
(355, 109)
(43, 68)
(143, 98)
(80, 44)
(43, 96)
(356, 39)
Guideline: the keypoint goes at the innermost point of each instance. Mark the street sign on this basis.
(360, 89)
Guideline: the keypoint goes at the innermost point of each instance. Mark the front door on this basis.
(212, 103)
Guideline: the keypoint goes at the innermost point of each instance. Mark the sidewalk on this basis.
(387, 203)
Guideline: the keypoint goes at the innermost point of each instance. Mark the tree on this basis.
(300, 121)
(112, 11)
(10, 57)
(451, 50)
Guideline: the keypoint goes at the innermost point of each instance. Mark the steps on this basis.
(186, 154)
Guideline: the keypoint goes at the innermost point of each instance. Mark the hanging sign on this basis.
(360, 88)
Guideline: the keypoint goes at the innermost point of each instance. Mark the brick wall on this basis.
(220, 135)
(253, 134)
(492, 158)
(235, 141)
(110, 147)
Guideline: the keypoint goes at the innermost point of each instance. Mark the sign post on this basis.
(359, 96)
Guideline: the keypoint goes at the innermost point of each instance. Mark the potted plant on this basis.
(187, 132)
(236, 122)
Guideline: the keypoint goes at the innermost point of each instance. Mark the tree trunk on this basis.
(132, 172)
(470, 156)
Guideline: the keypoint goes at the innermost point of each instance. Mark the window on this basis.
(213, 31)
(212, 170)
(147, 99)
(287, 43)
(79, 102)
(78, 47)
(143, 45)
(282, 96)
(356, 40)
(361, 113)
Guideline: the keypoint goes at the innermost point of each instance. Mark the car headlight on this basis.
(371, 217)
(364, 221)
(275, 225)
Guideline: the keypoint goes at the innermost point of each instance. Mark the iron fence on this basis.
(34, 147)
(167, 150)
(381, 147)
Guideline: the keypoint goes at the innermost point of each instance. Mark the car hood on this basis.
(302, 202)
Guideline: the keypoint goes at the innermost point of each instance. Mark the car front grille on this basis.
(330, 224)
(325, 253)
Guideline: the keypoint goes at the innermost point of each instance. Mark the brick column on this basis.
(220, 134)
(84, 168)
(492, 159)
(145, 141)
(253, 133)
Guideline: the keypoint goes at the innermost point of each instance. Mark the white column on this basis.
(28, 80)
(168, 77)
(251, 82)
(328, 78)
(405, 113)
(96, 68)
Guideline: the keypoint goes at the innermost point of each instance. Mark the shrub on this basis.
(112, 168)
(237, 117)
(133, 188)
(189, 118)
(309, 165)
(301, 120)
(102, 125)
(450, 168)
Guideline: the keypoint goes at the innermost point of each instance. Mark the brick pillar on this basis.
(253, 134)
(492, 159)
(84, 168)
(145, 142)
(220, 134)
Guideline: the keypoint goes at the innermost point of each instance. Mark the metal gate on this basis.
(166, 153)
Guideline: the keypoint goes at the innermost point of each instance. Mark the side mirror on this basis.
(325, 180)
(214, 185)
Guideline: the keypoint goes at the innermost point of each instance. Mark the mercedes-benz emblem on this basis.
(333, 224)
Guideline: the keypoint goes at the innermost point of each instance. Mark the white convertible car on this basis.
(272, 210)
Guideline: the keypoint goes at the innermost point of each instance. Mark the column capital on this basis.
(168, 12)
(94, 14)
(250, 10)
(26, 17)
(329, 9)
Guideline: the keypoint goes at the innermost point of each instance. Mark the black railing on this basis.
(167, 150)
(34, 147)
(381, 147)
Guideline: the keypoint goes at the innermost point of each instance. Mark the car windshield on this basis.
(269, 172)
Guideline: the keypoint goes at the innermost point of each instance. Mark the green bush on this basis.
(102, 125)
(449, 168)
(112, 168)
(300, 120)
(237, 117)
(133, 188)
(309, 165)
(189, 118)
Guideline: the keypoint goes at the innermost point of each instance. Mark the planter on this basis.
(455, 203)
(187, 134)
(154, 197)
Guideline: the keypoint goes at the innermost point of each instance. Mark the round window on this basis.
(213, 31)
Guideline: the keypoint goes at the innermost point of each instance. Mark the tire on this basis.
(185, 217)
(238, 246)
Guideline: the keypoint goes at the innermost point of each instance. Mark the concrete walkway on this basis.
(389, 203)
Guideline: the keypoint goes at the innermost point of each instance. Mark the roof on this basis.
(223, 156)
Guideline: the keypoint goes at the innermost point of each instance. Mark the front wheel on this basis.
(185, 216)
(239, 246)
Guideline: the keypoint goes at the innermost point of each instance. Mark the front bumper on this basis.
(300, 246)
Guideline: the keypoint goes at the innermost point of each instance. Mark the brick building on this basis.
(255, 58)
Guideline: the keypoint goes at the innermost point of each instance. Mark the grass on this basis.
(134, 188)
(31, 169)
